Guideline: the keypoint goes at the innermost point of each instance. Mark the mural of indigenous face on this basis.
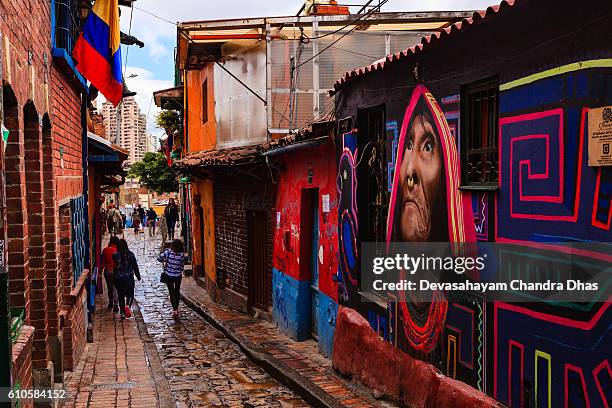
(421, 202)
(426, 205)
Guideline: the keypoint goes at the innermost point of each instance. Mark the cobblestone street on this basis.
(198, 363)
(202, 366)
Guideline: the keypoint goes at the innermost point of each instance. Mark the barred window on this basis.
(478, 143)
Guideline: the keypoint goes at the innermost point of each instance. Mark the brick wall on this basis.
(51, 228)
(36, 232)
(17, 223)
(22, 360)
(67, 133)
(75, 323)
(233, 197)
(25, 27)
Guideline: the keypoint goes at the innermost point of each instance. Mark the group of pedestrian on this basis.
(140, 216)
(120, 266)
(114, 220)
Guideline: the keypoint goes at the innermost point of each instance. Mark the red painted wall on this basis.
(293, 178)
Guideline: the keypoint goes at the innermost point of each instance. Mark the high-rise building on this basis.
(132, 134)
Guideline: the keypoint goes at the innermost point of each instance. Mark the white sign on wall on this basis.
(325, 199)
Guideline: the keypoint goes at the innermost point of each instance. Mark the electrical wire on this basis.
(155, 15)
(361, 16)
(368, 14)
(127, 52)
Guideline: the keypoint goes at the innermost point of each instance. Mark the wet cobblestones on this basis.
(203, 367)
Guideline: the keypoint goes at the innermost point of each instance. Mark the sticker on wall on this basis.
(5, 135)
(600, 136)
(278, 219)
(321, 254)
(325, 199)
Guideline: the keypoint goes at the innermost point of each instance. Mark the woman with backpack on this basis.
(126, 267)
(174, 263)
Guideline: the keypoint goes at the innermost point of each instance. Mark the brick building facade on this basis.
(236, 199)
(42, 103)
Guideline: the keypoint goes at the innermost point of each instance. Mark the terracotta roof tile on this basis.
(426, 42)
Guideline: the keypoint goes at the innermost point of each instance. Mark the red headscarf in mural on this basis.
(426, 204)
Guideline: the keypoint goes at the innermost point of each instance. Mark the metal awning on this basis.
(174, 96)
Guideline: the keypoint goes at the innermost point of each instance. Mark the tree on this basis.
(154, 173)
(170, 121)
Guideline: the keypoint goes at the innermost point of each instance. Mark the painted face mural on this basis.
(426, 204)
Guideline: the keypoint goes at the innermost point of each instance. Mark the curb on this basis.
(307, 390)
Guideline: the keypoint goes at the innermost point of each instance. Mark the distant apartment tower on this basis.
(151, 143)
(132, 133)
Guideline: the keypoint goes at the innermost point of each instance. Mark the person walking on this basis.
(126, 267)
(163, 230)
(115, 221)
(174, 263)
(103, 222)
(108, 268)
(136, 221)
(143, 214)
(171, 214)
(151, 221)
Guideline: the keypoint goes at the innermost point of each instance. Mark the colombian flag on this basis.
(98, 51)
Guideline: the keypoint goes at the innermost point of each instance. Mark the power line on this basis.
(155, 15)
(368, 14)
(127, 52)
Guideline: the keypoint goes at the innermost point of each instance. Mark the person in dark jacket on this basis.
(171, 215)
(126, 267)
(142, 213)
(151, 221)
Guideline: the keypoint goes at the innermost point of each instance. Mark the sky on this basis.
(152, 67)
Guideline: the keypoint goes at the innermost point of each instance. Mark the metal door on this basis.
(259, 284)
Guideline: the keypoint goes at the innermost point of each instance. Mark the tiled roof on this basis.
(221, 157)
(317, 130)
(426, 42)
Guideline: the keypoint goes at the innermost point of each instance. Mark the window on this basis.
(478, 143)
(205, 101)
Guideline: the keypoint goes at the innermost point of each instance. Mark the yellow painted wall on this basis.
(205, 189)
(202, 135)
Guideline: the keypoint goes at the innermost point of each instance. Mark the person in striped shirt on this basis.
(174, 263)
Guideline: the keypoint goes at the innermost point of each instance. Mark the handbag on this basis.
(164, 277)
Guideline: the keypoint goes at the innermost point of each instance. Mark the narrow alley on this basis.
(153, 359)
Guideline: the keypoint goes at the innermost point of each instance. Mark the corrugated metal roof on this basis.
(426, 42)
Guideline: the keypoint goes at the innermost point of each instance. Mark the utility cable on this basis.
(368, 14)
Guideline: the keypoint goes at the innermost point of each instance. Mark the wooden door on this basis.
(259, 282)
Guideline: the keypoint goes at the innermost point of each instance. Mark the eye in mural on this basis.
(426, 205)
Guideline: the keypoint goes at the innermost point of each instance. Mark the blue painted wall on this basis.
(328, 310)
(291, 305)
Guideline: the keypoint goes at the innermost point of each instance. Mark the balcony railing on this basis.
(65, 30)
(66, 25)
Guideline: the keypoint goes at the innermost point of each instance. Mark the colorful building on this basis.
(304, 260)
(496, 110)
(262, 197)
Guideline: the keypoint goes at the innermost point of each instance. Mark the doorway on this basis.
(259, 285)
(309, 246)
